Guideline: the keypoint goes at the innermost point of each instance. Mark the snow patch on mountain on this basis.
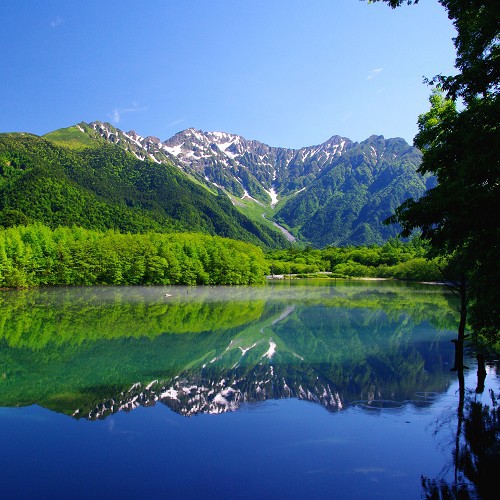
(273, 195)
(271, 351)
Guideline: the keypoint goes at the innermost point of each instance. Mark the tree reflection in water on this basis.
(476, 454)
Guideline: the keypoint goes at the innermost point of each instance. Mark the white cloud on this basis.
(117, 113)
(56, 22)
(379, 91)
(374, 72)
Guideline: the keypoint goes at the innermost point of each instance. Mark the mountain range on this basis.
(335, 193)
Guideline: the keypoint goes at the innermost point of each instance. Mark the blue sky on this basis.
(286, 72)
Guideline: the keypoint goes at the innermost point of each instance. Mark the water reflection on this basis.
(472, 436)
(92, 352)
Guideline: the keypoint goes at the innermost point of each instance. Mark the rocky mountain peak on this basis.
(337, 191)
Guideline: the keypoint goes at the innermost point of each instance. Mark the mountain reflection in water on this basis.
(92, 352)
(385, 417)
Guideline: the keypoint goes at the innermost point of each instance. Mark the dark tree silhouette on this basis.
(461, 147)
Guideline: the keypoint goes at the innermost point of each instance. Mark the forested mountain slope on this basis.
(338, 192)
(349, 199)
(98, 186)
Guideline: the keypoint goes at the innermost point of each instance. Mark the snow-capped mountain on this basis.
(257, 167)
(245, 168)
(338, 192)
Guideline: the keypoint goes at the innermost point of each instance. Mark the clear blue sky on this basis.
(286, 72)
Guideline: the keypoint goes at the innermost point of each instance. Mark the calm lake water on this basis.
(302, 389)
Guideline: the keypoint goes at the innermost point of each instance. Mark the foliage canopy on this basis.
(36, 255)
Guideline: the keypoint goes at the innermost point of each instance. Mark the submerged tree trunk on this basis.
(459, 341)
(481, 373)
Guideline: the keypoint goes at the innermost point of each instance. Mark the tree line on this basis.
(394, 259)
(36, 255)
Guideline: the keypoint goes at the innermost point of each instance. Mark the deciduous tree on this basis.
(460, 145)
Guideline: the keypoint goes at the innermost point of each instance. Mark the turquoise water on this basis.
(297, 390)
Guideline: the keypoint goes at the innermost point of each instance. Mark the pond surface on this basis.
(297, 389)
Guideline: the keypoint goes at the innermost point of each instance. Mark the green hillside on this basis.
(77, 137)
(100, 186)
(335, 193)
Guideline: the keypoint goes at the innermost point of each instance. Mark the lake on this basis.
(296, 389)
